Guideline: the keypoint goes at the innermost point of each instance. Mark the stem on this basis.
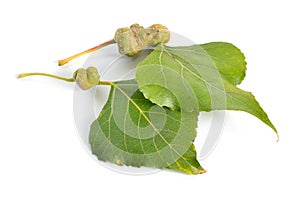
(47, 75)
(64, 61)
(106, 83)
(22, 75)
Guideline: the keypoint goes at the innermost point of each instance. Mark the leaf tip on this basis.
(276, 132)
(277, 135)
(196, 171)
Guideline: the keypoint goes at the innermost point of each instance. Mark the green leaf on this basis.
(132, 131)
(190, 79)
(228, 59)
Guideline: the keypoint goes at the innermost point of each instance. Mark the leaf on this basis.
(132, 131)
(187, 77)
(228, 59)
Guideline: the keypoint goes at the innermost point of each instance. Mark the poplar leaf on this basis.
(132, 131)
(193, 78)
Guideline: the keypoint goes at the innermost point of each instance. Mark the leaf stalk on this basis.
(67, 60)
(22, 75)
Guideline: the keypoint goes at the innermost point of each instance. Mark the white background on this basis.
(40, 154)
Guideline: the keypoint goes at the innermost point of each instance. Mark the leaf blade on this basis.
(190, 75)
(132, 131)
